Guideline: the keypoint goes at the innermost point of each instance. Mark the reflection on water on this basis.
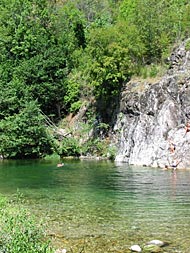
(107, 206)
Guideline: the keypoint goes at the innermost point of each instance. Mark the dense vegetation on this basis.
(20, 232)
(55, 55)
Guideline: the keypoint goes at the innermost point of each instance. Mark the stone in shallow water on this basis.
(135, 248)
(156, 242)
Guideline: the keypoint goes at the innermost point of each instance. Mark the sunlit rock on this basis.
(135, 248)
(153, 113)
(156, 242)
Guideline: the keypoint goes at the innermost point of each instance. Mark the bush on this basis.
(69, 147)
(99, 147)
(20, 232)
(24, 135)
(187, 46)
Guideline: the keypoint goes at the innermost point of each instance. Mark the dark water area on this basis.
(100, 206)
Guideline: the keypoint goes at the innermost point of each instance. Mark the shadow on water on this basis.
(102, 205)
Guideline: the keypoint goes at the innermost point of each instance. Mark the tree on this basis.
(44, 77)
(160, 24)
(24, 29)
(39, 40)
(98, 13)
(115, 53)
(23, 135)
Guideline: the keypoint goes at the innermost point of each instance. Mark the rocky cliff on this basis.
(152, 117)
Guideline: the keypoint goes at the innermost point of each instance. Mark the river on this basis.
(101, 206)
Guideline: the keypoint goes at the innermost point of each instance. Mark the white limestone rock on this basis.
(156, 242)
(135, 248)
(151, 114)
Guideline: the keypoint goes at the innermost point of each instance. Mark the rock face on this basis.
(151, 115)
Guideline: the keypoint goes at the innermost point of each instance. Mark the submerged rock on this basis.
(135, 248)
(152, 114)
(156, 242)
(152, 249)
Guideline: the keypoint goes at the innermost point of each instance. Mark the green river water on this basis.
(100, 206)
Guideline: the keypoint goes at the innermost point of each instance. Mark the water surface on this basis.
(100, 206)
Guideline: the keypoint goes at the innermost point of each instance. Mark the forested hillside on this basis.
(56, 56)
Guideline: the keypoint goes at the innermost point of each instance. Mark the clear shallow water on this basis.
(102, 206)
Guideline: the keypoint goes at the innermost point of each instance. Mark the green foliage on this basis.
(61, 53)
(20, 233)
(97, 13)
(36, 47)
(38, 42)
(44, 78)
(111, 152)
(187, 45)
(73, 91)
(98, 147)
(51, 157)
(3, 202)
(127, 9)
(69, 147)
(24, 134)
(115, 53)
(160, 24)
(24, 27)
(69, 27)
(151, 71)
(75, 106)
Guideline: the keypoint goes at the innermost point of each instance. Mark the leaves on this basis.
(24, 135)
(20, 232)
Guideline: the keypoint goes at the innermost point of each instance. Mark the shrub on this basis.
(20, 232)
(99, 147)
(187, 46)
(24, 134)
(69, 147)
